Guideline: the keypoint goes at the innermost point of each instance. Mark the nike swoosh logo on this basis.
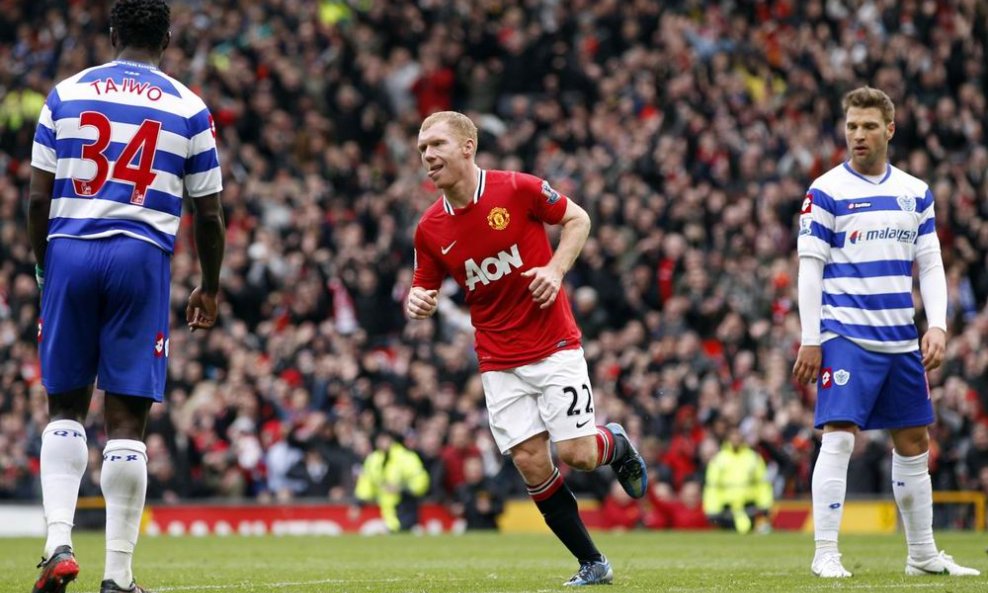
(582, 424)
(446, 249)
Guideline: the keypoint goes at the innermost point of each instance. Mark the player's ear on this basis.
(890, 130)
(114, 39)
(168, 40)
(468, 147)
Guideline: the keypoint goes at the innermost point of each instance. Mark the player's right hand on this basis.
(422, 303)
(807, 366)
(200, 313)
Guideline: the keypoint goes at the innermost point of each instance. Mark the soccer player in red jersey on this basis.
(487, 231)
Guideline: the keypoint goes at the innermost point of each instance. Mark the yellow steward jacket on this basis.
(386, 475)
(736, 478)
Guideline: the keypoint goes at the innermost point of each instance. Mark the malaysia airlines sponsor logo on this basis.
(885, 234)
(491, 269)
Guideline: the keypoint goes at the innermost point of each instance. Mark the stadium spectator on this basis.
(736, 492)
(670, 511)
(479, 499)
(620, 511)
(976, 458)
(393, 477)
(454, 455)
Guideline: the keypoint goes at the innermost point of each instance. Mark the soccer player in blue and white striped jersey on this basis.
(116, 148)
(862, 226)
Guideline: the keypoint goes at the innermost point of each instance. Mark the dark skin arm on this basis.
(39, 207)
(210, 235)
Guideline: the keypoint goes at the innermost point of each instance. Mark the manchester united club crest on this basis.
(498, 218)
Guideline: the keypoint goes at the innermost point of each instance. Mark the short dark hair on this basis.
(141, 23)
(867, 97)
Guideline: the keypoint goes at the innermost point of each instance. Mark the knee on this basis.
(71, 405)
(533, 467)
(582, 456)
(911, 442)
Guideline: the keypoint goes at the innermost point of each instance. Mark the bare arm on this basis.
(39, 209)
(576, 229)
(547, 279)
(210, 235)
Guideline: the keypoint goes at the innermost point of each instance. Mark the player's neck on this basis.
(139, 56)
(461, 194)
(876, 169)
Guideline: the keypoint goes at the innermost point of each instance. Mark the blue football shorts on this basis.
(104, 316)
(871, 389)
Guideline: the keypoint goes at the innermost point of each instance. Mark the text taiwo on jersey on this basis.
(491, 269)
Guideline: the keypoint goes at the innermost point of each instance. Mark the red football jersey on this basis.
(485, 247)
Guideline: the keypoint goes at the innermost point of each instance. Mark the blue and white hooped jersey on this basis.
(124, 140)
(868, 234)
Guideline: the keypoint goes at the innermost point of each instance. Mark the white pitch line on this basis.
(244, 586)
(842, 584)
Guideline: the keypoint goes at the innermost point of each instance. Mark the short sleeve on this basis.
(816, 225)
(43, 149)
(202, 165)
(544, 202)
(926, 238)
(428, 272)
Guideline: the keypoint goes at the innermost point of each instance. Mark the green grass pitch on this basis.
(491, 563)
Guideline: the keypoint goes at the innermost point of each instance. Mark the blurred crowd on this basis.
(688, 129)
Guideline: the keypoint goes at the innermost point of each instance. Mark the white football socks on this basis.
(913, 492)
(63, 462)
(124, 482)
(830, 488)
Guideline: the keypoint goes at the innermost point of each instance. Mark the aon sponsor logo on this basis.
(492, 268)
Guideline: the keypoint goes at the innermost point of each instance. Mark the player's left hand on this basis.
(200, 313)
(808, 361)
(933, 347)
(545, 284)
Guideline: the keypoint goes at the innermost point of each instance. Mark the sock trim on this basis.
(126, 445)
(543, 491)
(605, 446)
(67, 425)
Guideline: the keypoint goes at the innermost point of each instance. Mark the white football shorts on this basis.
(553, 395)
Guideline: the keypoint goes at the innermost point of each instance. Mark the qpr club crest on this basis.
(841, 377)
(498, 218)
(907, 203)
